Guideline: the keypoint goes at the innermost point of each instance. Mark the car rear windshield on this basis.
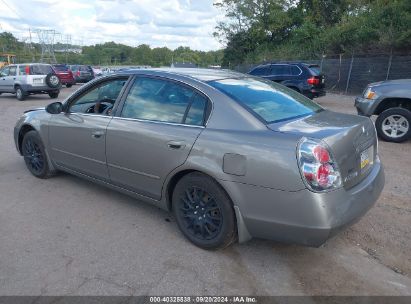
(269, 101)
(61, 68)
(40, 69)
(315, 69)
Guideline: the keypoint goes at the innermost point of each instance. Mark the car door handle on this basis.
(97, 134)
(175, 145)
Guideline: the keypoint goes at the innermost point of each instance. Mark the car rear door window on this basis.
(22, 70)
(160, 100)
(280, 70)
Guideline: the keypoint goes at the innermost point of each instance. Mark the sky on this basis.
(158, 23)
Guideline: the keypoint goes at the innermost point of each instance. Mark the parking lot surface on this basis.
(67, 236)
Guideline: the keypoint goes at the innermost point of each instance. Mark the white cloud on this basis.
(168, 23)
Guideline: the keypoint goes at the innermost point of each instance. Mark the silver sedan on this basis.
(231, 155)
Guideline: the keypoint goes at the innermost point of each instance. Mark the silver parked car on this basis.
(233, 156)
(29, 78)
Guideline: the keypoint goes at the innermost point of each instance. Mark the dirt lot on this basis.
(66, 236)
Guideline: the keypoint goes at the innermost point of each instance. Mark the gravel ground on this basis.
(67, 236)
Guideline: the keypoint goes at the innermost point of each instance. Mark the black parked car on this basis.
(304, 78)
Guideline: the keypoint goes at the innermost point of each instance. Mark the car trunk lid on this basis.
(352, 140)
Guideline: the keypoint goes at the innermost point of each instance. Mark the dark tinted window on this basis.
(315, 70)
(12, 71)
(280, 70)
(260, 71)
(74, 67)
(295, 70)
(196, 113)
(268, 100)
(40, 69)
(157, 99)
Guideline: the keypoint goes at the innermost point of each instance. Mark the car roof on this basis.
(195, 73)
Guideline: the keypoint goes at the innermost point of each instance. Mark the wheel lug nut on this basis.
(195, 212)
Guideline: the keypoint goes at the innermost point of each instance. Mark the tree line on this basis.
(111, 53)
(262, 30)
(255, 31)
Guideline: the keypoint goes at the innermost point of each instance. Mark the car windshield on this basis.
(269, 101)
(40, 69)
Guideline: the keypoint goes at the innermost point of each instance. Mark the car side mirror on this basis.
(54, 108)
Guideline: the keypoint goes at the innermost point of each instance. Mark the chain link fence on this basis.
(351, 74)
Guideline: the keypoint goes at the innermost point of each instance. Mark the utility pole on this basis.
(46, 40)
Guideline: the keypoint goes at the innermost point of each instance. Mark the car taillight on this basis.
(318, 168)
(27, 69)
(313, 81)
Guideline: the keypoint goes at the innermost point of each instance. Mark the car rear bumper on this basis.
(314, 92)
(67, 81)
(304, 217)
(39, 89)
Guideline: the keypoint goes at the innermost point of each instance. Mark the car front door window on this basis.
(99, 100)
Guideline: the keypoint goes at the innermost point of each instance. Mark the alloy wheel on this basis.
(395, 126)
(33, 156)
(201, 214)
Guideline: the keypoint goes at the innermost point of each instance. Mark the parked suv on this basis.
(29, 78)
(391, 101)
(304, 78)
(82, 73)
(64, 74)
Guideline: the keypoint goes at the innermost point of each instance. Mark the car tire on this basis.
(68, 85)
(54, 94)
(35, 155)
(52, 80)
(394, 125)
(204, 212)
(20, 93)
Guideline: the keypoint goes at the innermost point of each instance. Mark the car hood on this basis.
(391, 82)
(32, 110)
(346, 135)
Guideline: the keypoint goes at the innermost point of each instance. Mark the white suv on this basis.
(30, 78)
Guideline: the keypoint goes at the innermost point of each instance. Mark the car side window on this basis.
(295, 70)
(12, 70)
(159, 100)
(260, 71)
(280, 70)
(22, 70)
(197, 111)
(100, 99)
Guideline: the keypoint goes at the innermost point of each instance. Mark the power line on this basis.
(12, 9)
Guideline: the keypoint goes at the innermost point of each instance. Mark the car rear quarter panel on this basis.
(261, 158)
